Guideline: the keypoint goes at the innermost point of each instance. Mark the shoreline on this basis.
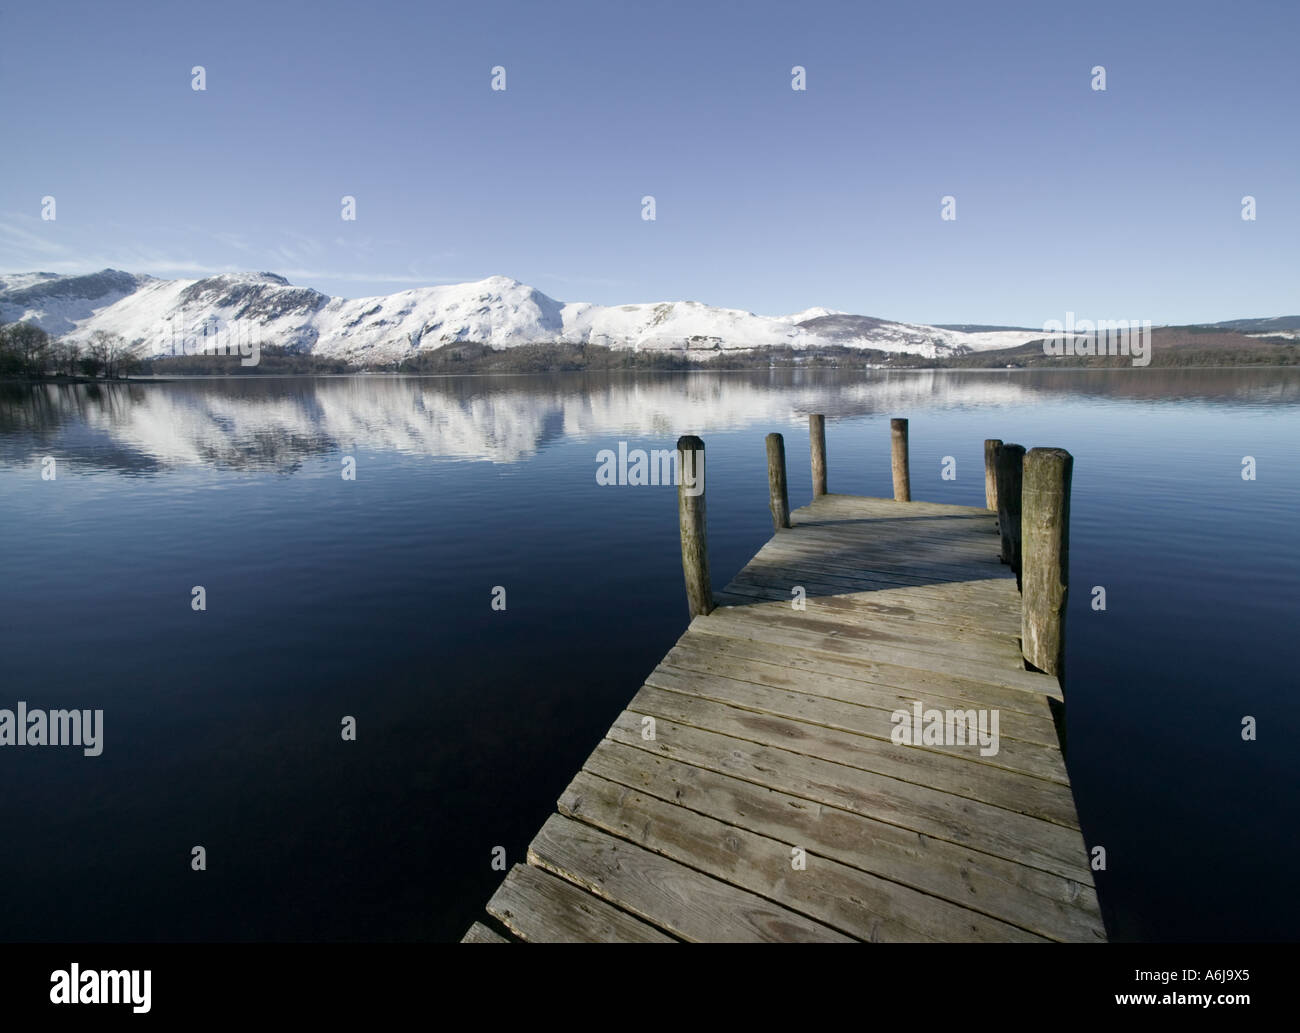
(838, 368)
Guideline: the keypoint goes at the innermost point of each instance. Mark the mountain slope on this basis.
(159, 317)
(58, 304)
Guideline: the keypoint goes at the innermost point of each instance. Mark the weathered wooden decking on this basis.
(771, 732)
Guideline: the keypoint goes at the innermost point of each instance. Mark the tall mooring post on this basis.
(1010, 461)
(1045, 521)
(778, 493)
(817, 446)
(898, 462)
(991, 446)
(691, 520)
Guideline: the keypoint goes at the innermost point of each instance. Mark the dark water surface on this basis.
(371, 598)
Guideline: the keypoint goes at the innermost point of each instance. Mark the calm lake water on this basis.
(371, 598)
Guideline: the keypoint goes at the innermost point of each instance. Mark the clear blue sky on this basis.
(1122, 204)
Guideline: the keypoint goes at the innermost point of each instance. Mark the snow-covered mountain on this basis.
(59, 304)
(157, 316)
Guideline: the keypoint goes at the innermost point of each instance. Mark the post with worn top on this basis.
(1009, 470)
(817, 444)
(1046, 521)
(691, 520)
(898, 461)
(778, 493)
(991, 446)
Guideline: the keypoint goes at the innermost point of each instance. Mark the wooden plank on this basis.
(941, 561)
(932, 534)
(940, 602)
(920, 514)
(979, 826)
(853, 901)
(845, 508)
(839, 599)
(983, 647)
(925, 528)
(929, 522)
(990, 590)
(868, 505)
(906, 680)
(849, 724)
(960, 614)
(479, 933)
(1034, 900)
(687, 903)
(959, 776)
(903, 524)
(698, 653)
(729, 622)
(937, 603)
(925, 538)
(542, 908)
(816, 561)
(963, 622)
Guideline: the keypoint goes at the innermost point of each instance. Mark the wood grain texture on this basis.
(539, 907)
(1010, 474)
(479, 933)
(1046, 516)
(778, 492)
(817, 451)
(693, 525)
(898, 461)
(991, 447)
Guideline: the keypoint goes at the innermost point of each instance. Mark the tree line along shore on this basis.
(29, 353)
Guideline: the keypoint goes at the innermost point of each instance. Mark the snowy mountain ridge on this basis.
(152, 314)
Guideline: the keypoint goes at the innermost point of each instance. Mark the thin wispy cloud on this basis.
(24, 248)
(15, 237)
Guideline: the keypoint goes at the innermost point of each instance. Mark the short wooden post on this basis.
(1046, 516)
(1009, 472)
(991, 446)
(778, 493)
(691, 521)
(898, 461)
(817, 442)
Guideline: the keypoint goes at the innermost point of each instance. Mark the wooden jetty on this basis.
(765, 783)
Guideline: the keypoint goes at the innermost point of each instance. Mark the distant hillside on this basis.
(980, 328)
(1170, 346)
(155, 316)
(477, 326)
(1261, 326)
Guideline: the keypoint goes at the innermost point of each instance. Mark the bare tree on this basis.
(9, 361)
(90, 364)
(32, 346)
(109, 351)
(66, 354)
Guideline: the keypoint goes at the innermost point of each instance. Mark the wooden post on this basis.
(817, 442)
(898, 461)
(1009, 472)
(778, 493)
(991, 446)
(1047, 476)
(691, 520)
